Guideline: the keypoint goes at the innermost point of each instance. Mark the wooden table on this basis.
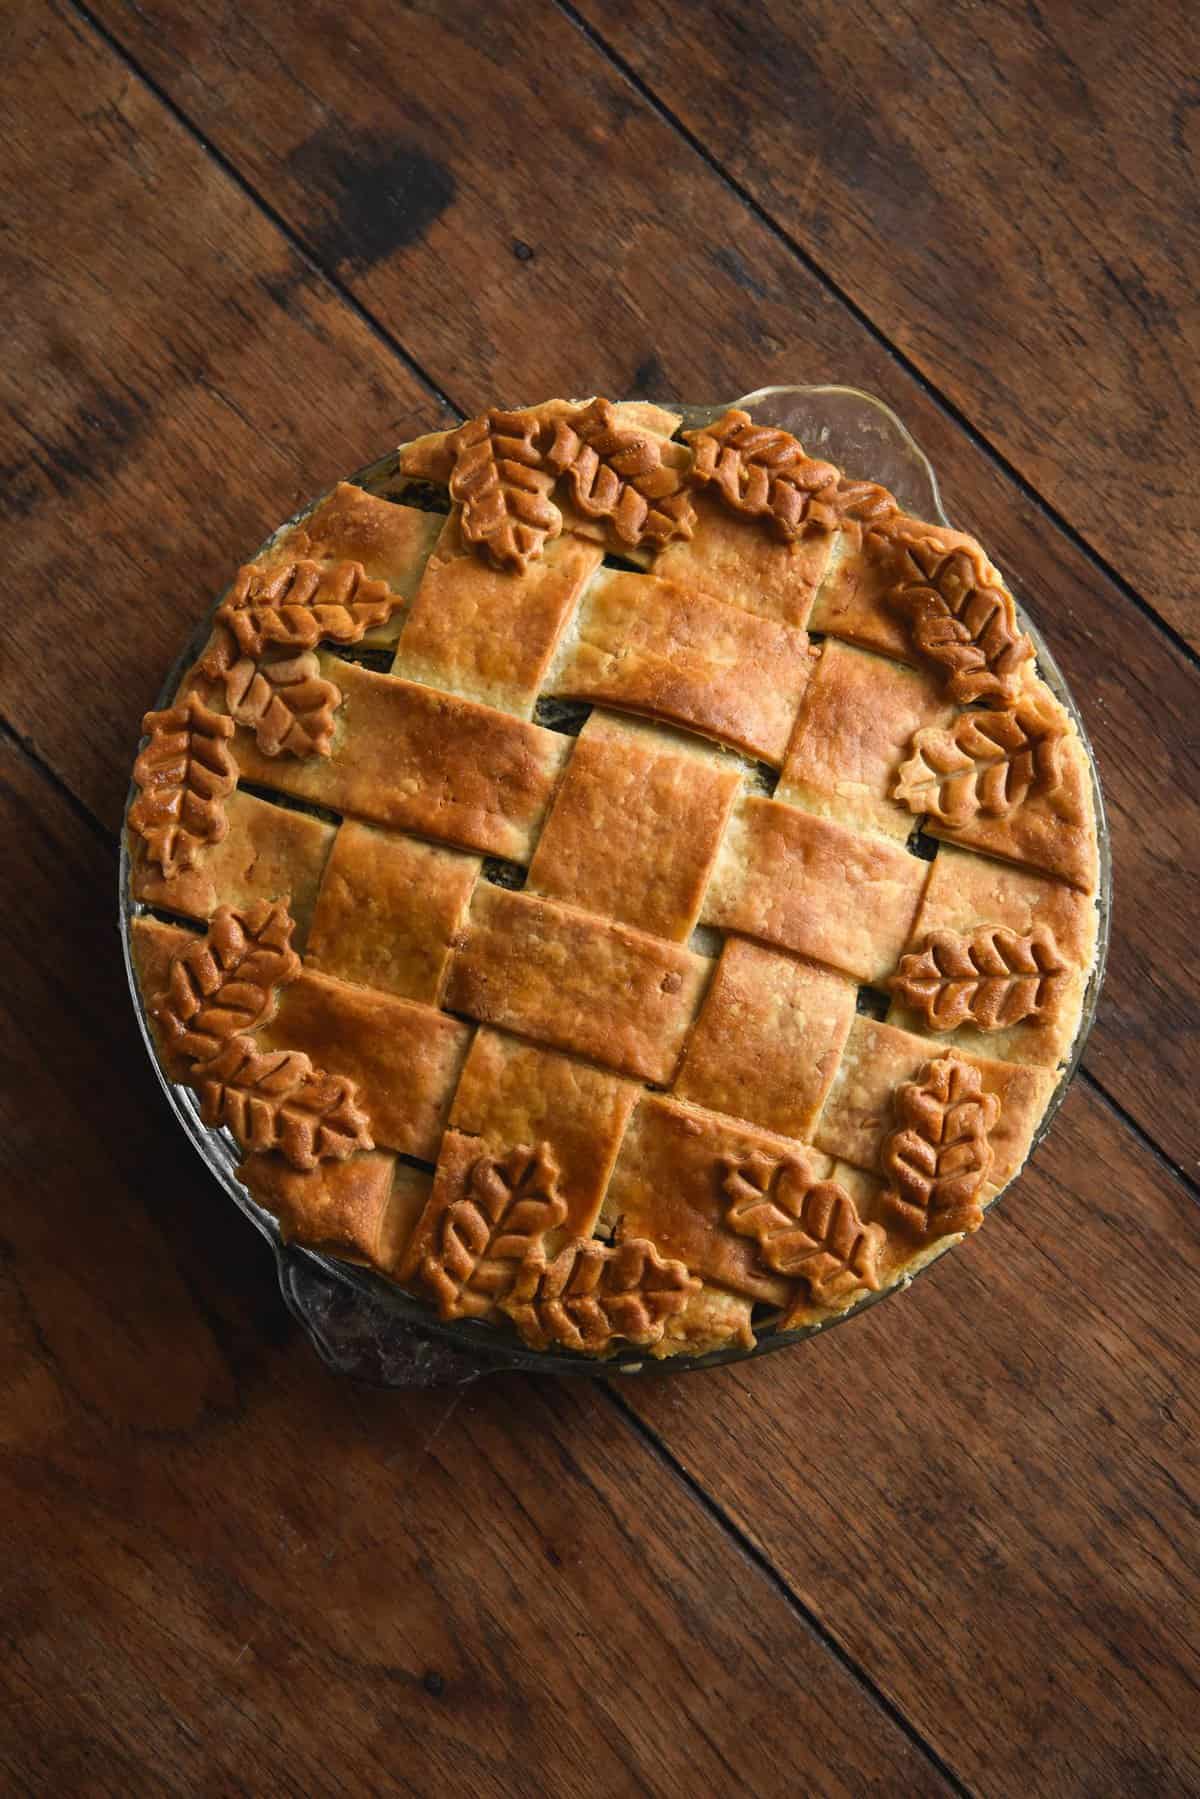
(952, 1547)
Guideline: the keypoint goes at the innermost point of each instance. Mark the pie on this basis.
(630, 887)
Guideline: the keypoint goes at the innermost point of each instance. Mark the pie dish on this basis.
(620, 880)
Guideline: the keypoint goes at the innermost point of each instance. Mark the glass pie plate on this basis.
(363, 1325)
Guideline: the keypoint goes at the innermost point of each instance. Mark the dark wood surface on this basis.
(1007, 193)
(949, 1549)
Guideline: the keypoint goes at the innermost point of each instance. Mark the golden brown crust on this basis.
(286, 701)
(806, 1228)
(215, 991)
(152, 944)
(352, 565)
(432, 457)
(628, 479)
(969, 893)
(992, 979)
(404, 1059)
(668, 1186)
(634, 828)
(409, 756)
(226, 983)
(857, 721)
(711, 1319)
(186, 773)
(901, 1255)
(276, 1101)
(591, 1296)
(936, 1159)
(966, 889)
(740, 563)
(766, 474)
(878, 1058)
(268, 853)
(806, 1156)
(513, 1092)
(815, 887)
(500, 480)
(645, 415)
(411, 1188)
(576, 982)
(1050, 824)
(490, 635)
(960, 616)
(486, 1212)
(388, 911)
(362, 1209)
(768, 1039)
(389, 541)
(429, 457)
(984, 764)
(295, 604)
(854, 601)
(649, 646)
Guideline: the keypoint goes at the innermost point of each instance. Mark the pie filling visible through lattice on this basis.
(628, 886)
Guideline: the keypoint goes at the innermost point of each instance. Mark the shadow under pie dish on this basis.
(613, 889)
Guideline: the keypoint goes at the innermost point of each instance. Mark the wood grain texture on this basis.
(166, 336)
(229, 1572)
(1015, 1441)
(695, 298)
(982, 176)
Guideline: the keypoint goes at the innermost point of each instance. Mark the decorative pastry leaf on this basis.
(503, 487)
(510, 1203)
(186, 773)
(762, 472)
(805, 1229)
(276, 1099)
(590, 1295)
(960, 619)
(296, 605)
(938, 1156)
(620, 475)
(861, 503)
(989, 762)
(992, 978)
(224, 983)
(765, 473)
(287, 701)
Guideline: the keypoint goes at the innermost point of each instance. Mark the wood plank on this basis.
(997, 1475)
(227, 1571)
(1042, 275)
(738, 314)
(177, 384)
(210, 1500)
(1074, 248)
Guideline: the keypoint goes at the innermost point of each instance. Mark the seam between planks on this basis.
(913, 369)
(96, 827)
(646, 1434)
(380, 331)
(396, 347)
(651, 1442)
(767, 1568)
(392, 343)
(1139, 1132)
(67, 794)
(247, 188)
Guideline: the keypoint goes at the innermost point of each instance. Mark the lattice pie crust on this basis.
(644, 888)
